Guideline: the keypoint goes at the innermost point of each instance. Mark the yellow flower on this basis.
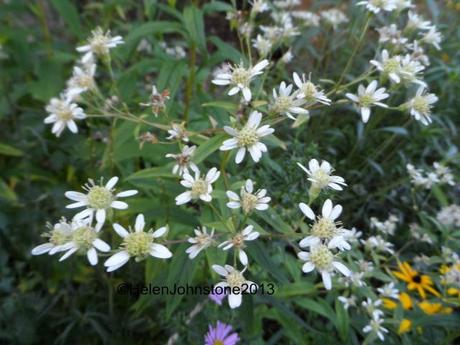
(389, 303)
(434, 308)
(414, 280)
(405, 326)
(453, 292)
(405, 300)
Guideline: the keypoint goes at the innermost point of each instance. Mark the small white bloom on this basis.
(391, 34)
(178, 132)
(389, 66)
(200, 187)
(57, 235)
(372, 307)
(347, 301)
(334, 17)
(287, 57)
(235, 282)
(63, 113)
(368, 97)
(286, 103)
(308, 18)
(309, 91)
(248, 138)
(355, 279)
(321, 176)
(325, 230)
(375, 6)
(387, 227)
(287, 3)
(416, 22)
(420, 105)
(99, 199)
(321, 258)
(377, 243)
(389, 290)
(249, 199)
(82, 80)
(239, 78)
(259, 6)
(433, 37)
(201, 241)
(183, 160)
(238, 241)
(375, 326)
(449, 215)
(137, 244)
(99, 44)
(262, 45)
(410, 68)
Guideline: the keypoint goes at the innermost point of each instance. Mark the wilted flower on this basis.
(82, 80)
(183, 160)
(157, 100)
(178, 132)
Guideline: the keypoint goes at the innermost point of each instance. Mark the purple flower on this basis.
(217, 297)
(220, 335)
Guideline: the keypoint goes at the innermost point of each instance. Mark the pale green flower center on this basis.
(138, 244)
(199, 187)
(248, 136)
(203, 240)
(282, 104)
(392, 65)
(98, 42)
(321, 257)
(100, 197)
(85, 81)
(321, 178)
(84, 237)
(324, 228)
(421, 105)
(248, 202)
(63, 112)
(366, 100)
(235, 279)
(58, 237)
(240, 76)
(309, 90)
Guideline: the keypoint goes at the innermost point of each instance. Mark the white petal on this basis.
(120, 230)
(234, 300)
(308, 267)
(42, 249)
(243, 257)
(307, 211)
(160, 232)
(100, 216)
(326, 280)
(160, 251)
(117, 259)
(140, 223)
(111, 183)
(327, 208)
(68, 253)
(76, 196)
(92, 256)
(341, 268)
(220, 270)
(127, 193)
(119, 205)
(101, 245)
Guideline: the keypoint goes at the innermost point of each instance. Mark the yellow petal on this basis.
(406, 301)
(405, 326)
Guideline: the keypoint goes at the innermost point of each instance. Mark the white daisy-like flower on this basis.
(392, 35)
(287, 57)
(137, 244)
(410, 68)
(99, 199)
(368, 97)
(183, 160)
(200, 187)
(377, 243)
(389, 290)
(240, 77)
(309, 91)
(82, 80)
(63, 113)
(433, 37)
(58, 235)
(325, 230)
(321, 176)
(322, 259)
(84, 239)
(234, 283)
(99, 44)
(389, 66)
(286, 103)
(375, 6)
(372, 307)
(375, 326)
(347, 301)
(201, 241)
(178, 132)
(249, 200)
(416, 22)
(402, 4)
(420, 105)
(308, 18)
(238, 241)
(262, 45)
(259, 6)
(248, 138)
(334, 17)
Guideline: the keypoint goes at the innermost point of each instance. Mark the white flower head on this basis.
(368, 97)
(322, 259)
(389, 66)
(137, 244)
(416, 22)
(375, 327)
(347, 301)
(259, 6)
(263, 45)
(375, 6)
(240, 78)
(286, 103)
(410, 68)
(248, 199)
(99, 44)
(389, 290)
(200, 187)
(201, 241)
(238, 242)
(392, 35)
(183, 160)
(334, 17)
(309, 91)
(82, 80)
(178, 132)
(308, 18)
(98, 199)
(433, 37)
(235, 281)
(58, 234)
(321, 176)
(377, 243)
(325, 229)
(420, 105)
(248, 138)
(63, 113)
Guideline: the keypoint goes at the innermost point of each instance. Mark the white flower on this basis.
(308, 18)
(99, 199)
(375, 326)
(372, 307)
(389, 290)
(392, 35)
(249, 200)
(368, 97)
(178, 132)
(409, 70)
(287, 3)
(137, 244)
(389, 66)
(334, 17)
(375, 6)
(248, 138)
(347, 301)
(387, 227)
(449, 215)
(183, 160)
(262, 45)
(201, 241)
(321, 258)
(238, 241)
(433, 37)
(309, 91)
(175, 51)
(287, 57)
(420, 105)
(415, 21)
(82, 80)
(235, 282)
(84, 239)
(57, 235)
(99, 44)
(320, 175)
(239, 78)
(63, 113)
(259, 6)
(377, 243)
(285, 103)
(200, 187)
(402, 4)
(354, 279)
(325, 230)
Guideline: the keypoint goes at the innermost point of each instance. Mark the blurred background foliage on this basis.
(43, 301)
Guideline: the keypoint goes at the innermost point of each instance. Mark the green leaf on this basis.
(152, 173)
(229, 106)
(147, 29)
(208, 147)
(260, 255)
(194, 25)
(8, 150)
(69, 13)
